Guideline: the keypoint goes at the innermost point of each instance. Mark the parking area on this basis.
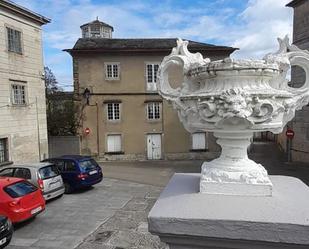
(113, 214)
(75, 220)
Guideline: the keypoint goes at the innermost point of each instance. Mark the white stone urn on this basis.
(234, 98)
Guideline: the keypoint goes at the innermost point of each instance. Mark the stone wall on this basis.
(300, 124)
(63, 145)
(24, 127)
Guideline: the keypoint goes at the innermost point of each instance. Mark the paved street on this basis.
(158, 173)
(68, 220)
(113, 214)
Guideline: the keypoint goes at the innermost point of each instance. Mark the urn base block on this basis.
(233, 173)
(235, 189)
(184, 218)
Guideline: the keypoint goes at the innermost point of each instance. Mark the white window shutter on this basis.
(114, 143)
(198, 141)
(117, 142)
(110, 143)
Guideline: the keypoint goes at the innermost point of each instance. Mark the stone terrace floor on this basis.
(128, 227)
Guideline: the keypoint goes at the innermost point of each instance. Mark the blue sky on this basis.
(251, 25)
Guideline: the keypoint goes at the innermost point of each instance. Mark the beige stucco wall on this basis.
(130, 89)
(19, 124)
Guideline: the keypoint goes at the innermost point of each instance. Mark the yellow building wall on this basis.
(133, 126)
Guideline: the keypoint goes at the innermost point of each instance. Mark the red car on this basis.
(19, 199)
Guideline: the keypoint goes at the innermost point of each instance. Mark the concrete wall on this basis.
(130, 90)
(63, 145)
(24, 126)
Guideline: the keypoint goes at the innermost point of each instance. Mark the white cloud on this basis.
(263, 22)
(253, 29)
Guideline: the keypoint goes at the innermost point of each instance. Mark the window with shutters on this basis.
(151, 76)
(4, 153)
(95, 30)
(114, 143)
(112, 71)
(199, 141)
(18, 93)
(14, 40)
(153, 110)
(113, 111)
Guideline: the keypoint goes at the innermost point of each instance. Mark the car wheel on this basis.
(67, 188)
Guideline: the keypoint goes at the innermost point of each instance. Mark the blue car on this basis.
(77, 171)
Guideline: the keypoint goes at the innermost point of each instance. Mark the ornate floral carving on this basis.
(235, 98)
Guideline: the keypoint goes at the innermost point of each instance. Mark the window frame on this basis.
(13, 194)
(120, 151)
(13, 49)
(113, 111)
(72, 168)
(6, 155)
(25, 172)
(7, 169)
(152, 105)
(59, 164)
(113, 66)
(95, 30)
(151, 86)
(21, 99)
(205, 140)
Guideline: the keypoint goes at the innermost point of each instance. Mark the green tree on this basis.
(51, 83)
(62, 115)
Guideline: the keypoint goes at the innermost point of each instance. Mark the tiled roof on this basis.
(156, 44)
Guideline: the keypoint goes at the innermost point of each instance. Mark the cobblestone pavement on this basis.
(128, 228)
(110, 215)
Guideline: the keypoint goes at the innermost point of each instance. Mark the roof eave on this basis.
(294, 3)
(25, 12)
(75, 51)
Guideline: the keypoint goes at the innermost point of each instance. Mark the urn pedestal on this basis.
(186, 219)
(233, 203)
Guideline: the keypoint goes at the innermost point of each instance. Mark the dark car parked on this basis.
(6, 231)
(77, 171)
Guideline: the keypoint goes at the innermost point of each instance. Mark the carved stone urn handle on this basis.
(287, 56)
(301, 59)
(180, 56)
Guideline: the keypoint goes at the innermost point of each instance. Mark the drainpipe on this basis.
(38, 126)
(98, 133)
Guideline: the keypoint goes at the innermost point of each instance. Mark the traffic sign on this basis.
(289, 133)
(87, 131)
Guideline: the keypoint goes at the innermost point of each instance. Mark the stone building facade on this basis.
(299, 145)
(23, 129)
(122, 115)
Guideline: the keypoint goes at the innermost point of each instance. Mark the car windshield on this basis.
(48, 172)
(20, 189)
(88, 164)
